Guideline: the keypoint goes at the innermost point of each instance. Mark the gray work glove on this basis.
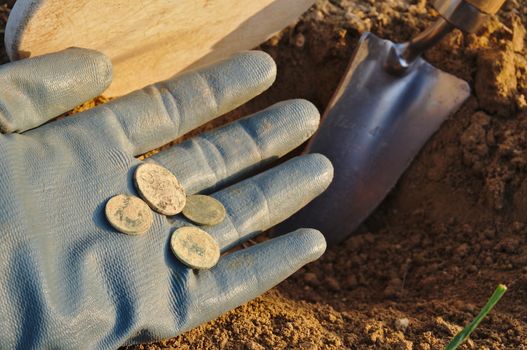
(70, 281)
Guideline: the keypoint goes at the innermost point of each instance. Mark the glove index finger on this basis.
(244, 275)
(35, 90)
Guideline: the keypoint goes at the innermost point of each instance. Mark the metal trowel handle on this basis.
(488, 6)
(467, 15)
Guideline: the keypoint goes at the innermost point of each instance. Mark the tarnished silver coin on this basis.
(160, 189)
(195, 248)
(204, 210)
(129, 214)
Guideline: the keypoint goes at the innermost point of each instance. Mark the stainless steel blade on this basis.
(374, 126)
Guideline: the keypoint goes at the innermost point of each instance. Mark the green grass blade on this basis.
(465, 333)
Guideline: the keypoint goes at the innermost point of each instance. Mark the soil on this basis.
(455, 226)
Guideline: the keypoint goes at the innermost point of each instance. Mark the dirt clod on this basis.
(496, 82)
(402, 324)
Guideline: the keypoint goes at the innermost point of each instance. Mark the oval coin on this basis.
(195, 247)
(160, 189)
(204, 210)
(128, 214)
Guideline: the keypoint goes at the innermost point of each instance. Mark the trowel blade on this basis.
(374, 126)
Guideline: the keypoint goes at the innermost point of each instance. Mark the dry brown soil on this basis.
(453, 228)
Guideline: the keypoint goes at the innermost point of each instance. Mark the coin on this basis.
(195, 247)
(204, 210)
(129, 214)
(160, 189)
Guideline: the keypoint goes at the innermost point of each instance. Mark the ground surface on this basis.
(453, 228)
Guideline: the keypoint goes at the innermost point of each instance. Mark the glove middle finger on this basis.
(262, 201)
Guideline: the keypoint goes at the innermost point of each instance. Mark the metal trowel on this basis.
(387, 106)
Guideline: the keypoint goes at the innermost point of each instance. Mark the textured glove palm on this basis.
(67, 279)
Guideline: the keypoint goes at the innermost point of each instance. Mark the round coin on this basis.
(204, 210)
(160, 189)
(129, 214)
(195, 247)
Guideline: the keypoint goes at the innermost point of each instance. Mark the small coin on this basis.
(195, 247)
(160, 189)
(129, 214)
(204, 210)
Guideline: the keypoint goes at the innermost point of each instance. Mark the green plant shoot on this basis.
(465, 333)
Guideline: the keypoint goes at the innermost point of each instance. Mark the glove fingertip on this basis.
(308, 113)
(310, 244)
(323, 168)
(98, 63)
(259, 67)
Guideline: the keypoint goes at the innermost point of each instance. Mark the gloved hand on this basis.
(70, 281)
